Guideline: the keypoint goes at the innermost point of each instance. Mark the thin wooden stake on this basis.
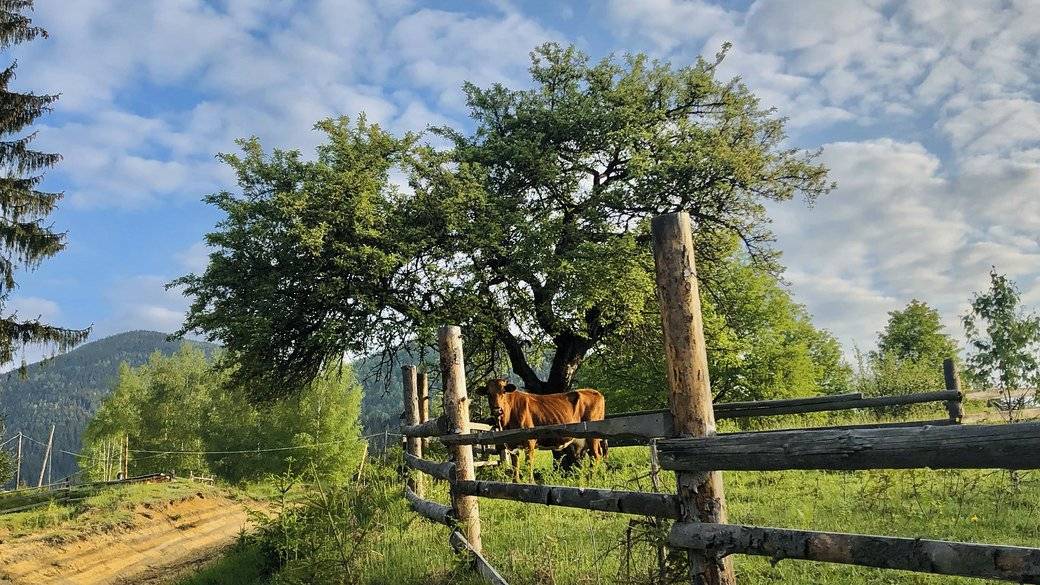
(688, 382)
(413, 445)
(46, 455)
(423, 381)
(18, 471)
(456, 409)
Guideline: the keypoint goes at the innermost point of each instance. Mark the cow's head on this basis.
(497, 391)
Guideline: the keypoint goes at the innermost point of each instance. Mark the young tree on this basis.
(531, 232)
(25, 240)
(916, 334)
(1004, 339)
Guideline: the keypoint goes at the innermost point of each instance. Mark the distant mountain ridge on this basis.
(67, 390)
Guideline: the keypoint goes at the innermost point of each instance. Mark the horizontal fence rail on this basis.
(445, 471)
(603, 500)
(638, 426)
(484, 568)
(436, 427)
(433, 511)
(1015, 446)
(987, 561)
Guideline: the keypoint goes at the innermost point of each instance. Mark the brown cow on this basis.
(515, 409)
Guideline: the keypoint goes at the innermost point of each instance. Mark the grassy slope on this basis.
(533, 544)
(539, 544)
(86, 508)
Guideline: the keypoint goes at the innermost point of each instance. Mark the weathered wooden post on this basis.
(413, 445)
(424, 404)
(456, 411)
(955, 408)
(689, 386)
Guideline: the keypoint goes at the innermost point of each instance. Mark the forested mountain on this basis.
(66, 391)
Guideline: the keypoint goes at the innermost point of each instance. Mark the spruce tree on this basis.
(25, 238)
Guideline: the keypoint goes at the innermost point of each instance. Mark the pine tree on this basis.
(25, 240)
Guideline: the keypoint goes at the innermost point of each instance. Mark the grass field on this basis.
(541, 544)
(381, 541)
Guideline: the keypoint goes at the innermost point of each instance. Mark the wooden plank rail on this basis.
(879, 425)
(1013, 446)
(987, 561)
(603, 500)
(436, 427)
(433, 511)
(484, 569)
(445, 471)
(639, 426)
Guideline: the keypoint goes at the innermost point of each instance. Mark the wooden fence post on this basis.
(424, 404)
(955, 408)
(413, 445)
(456, 411)
(689, 394)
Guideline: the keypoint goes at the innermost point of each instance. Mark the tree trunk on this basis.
(569, 353)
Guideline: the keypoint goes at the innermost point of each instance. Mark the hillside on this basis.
(67, 390)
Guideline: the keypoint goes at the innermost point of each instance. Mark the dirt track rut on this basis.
(166, 540)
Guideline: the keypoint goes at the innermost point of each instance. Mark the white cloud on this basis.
(142, 302)
(28, 308)
(195, 258)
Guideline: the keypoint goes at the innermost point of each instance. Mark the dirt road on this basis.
(165, 540)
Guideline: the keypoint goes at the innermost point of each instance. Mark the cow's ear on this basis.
(510, 387)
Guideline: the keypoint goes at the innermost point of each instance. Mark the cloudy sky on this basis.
(928, 113)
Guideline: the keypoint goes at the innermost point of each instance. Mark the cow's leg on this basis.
(515, 459)
(531, 447)
(596, 447)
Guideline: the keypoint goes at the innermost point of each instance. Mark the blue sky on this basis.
(928, 113)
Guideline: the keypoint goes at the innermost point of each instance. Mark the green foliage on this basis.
(178, 411)
(761, 345)
(916, 334)
(68, 389)
(26, 239)
(909, 356)
(1004, 339)
(530, 232)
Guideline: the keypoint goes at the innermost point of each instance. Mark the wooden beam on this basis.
(436, 427)
(987, 561)
(603, 500)
(1012, 446)
(645, 426)
(484, 568)
(954, 407)
(413, 445)
(879, 425)
(456, 411)
(753, 404)
(445, 471)
(432, 511)
(689, 385)
(431, 428)
(874, 402)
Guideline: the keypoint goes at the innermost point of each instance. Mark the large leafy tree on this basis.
(25, 238)
(531, 231)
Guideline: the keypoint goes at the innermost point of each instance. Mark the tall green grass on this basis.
(365, 533)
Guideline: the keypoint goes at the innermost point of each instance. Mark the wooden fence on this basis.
(684, 440)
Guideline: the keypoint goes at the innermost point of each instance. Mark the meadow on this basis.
(365, 533)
